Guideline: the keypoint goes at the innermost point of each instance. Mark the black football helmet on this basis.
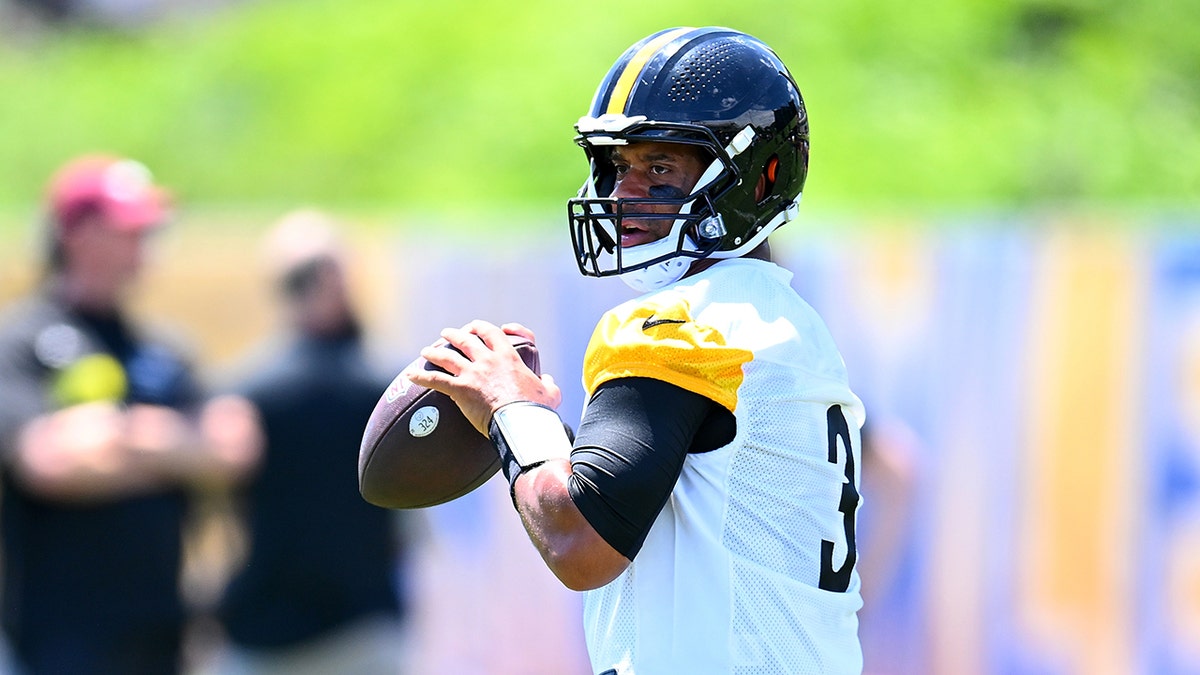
(715, 88)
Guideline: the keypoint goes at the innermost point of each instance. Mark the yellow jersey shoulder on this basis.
(660, 338)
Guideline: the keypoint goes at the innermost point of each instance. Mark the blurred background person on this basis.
(104, 433)
(319, 591)
(889, 477)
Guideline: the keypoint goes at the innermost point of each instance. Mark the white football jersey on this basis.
(749, 568)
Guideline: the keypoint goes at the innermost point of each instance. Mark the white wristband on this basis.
(532, 432)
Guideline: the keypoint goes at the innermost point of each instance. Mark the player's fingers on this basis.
(477, 338)
(432, 379)
(467, 343)
(490, 334)
(443, 357)
(519, 329)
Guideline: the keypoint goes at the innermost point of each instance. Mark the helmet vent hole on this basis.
(706, 69)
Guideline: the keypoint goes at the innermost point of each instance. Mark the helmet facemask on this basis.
(597, 218)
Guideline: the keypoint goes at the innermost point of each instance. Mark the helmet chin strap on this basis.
(654, 277)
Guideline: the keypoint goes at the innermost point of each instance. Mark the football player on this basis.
(707, 502)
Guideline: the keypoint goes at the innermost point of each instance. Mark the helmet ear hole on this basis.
(766, 182)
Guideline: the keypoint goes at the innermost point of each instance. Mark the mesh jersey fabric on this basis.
(728, 580)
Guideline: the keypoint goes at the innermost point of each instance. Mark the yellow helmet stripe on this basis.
(624, 85)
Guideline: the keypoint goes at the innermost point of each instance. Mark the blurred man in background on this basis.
(104, 431)
(318, 592)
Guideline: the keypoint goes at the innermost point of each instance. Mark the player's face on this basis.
(654, 170)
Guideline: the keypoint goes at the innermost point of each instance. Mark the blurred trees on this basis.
(467, 104)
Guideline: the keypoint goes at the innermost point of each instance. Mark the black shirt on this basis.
(85, 572)
(320, 556)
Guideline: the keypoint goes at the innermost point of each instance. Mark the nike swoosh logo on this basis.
(652, 322)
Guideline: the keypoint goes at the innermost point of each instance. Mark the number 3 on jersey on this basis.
(838, 580)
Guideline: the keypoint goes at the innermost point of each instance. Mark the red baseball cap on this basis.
(119, 189)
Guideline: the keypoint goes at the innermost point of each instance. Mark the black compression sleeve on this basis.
(630, 450)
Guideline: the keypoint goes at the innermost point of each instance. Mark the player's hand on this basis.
(485, 372)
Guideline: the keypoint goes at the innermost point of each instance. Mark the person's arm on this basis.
(484, 375)
(77, 454)
(889, 474)
(221, 447)
(625, 461)
(587, 515)
(101, 451)
(569, 545)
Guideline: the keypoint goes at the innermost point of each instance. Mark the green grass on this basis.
(467, 106)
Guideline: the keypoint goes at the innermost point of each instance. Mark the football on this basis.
(419, 450)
